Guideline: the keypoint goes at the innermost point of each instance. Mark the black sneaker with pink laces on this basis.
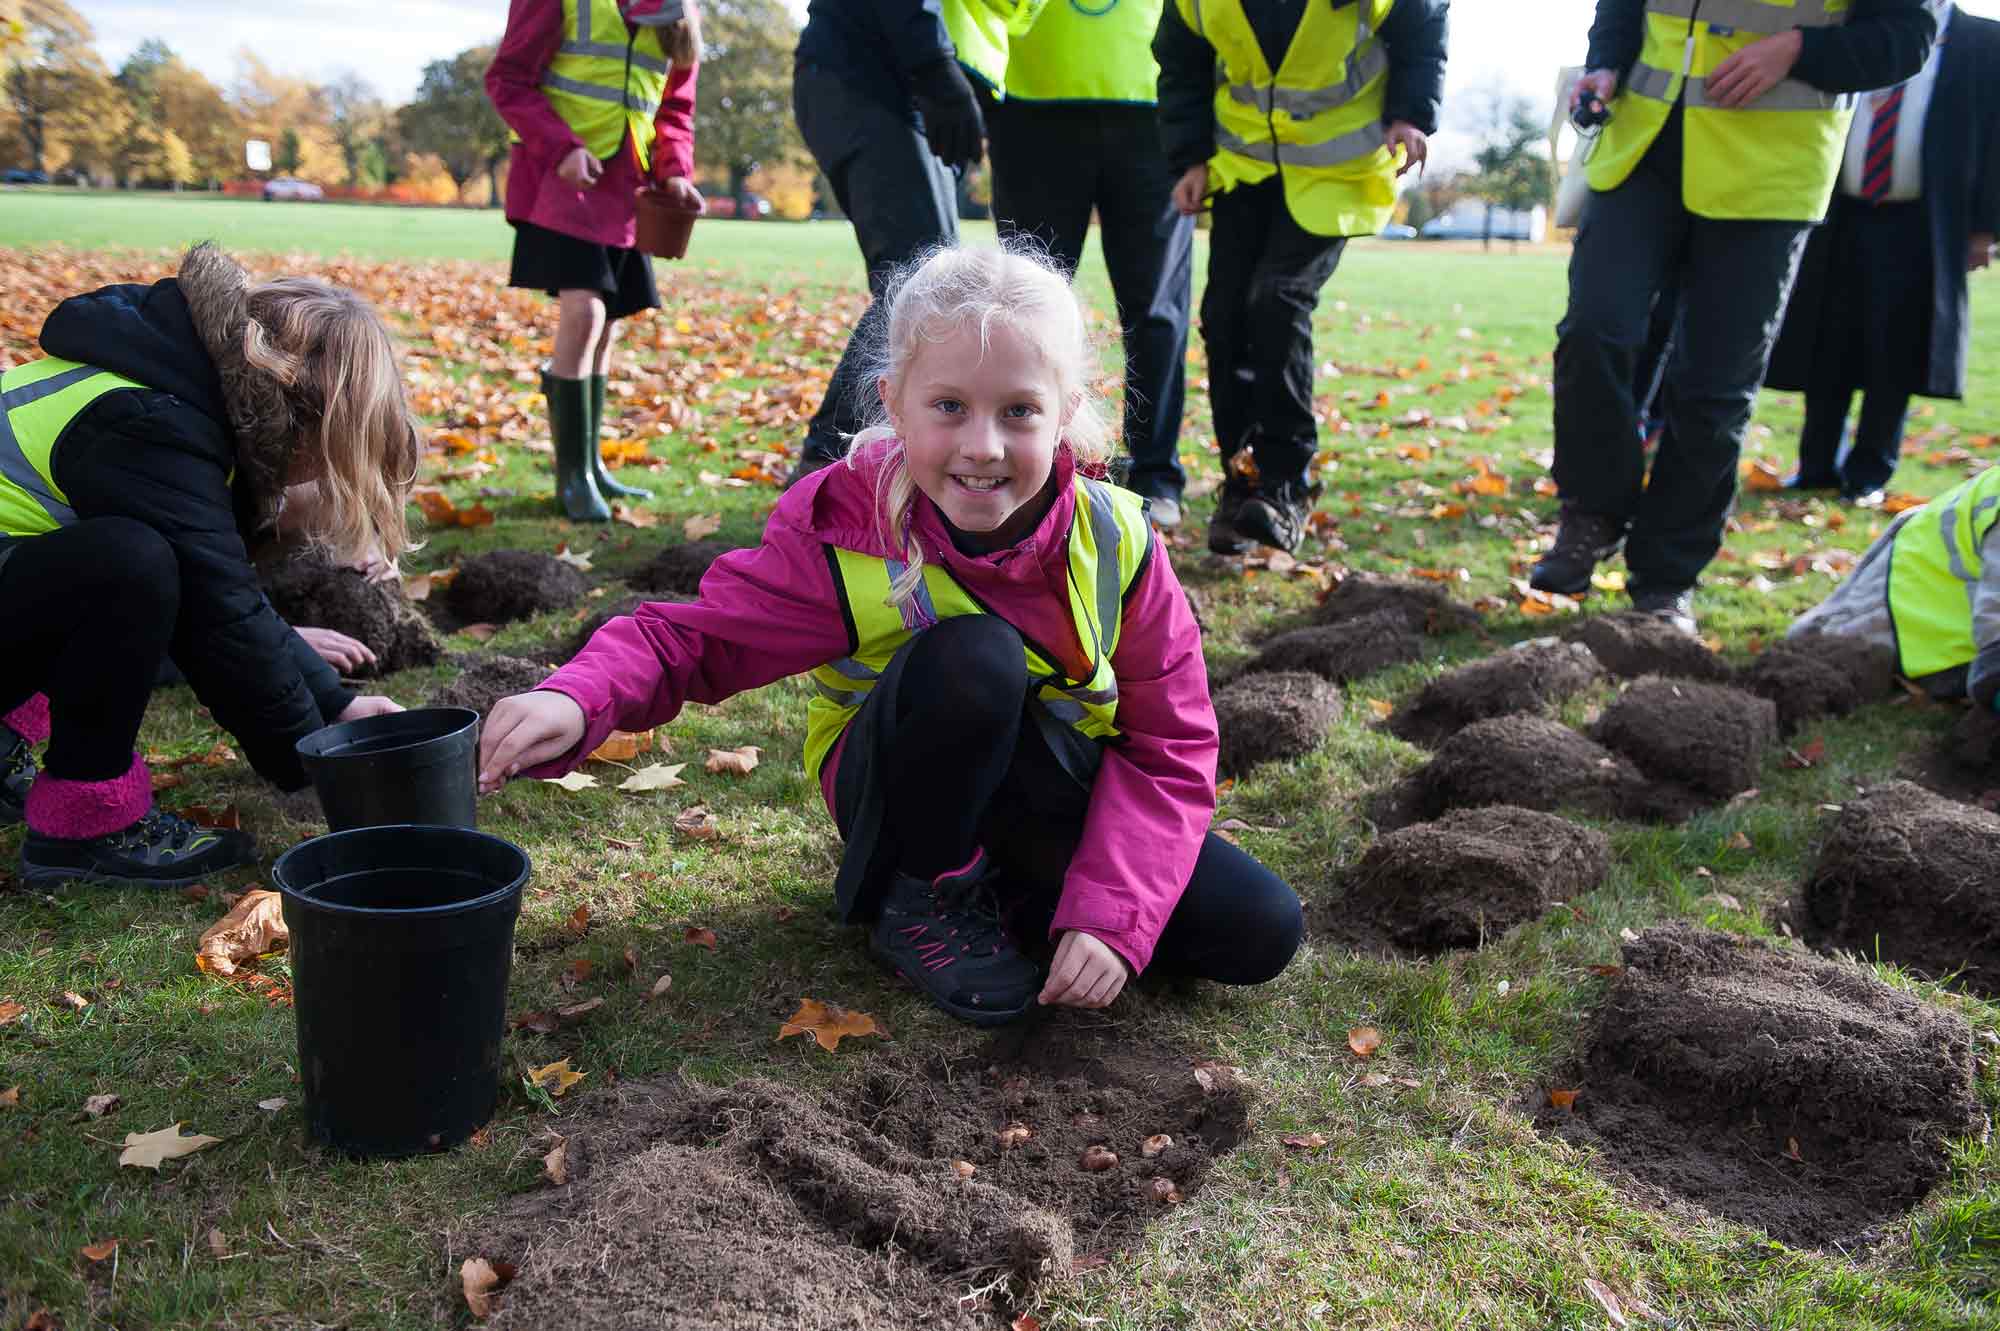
(944, 936)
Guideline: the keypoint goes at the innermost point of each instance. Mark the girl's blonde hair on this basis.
(327, 354)
(1014, 285)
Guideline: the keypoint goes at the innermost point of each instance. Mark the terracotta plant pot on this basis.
(664, 226)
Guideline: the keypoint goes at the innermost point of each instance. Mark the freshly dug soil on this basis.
(678, 568)
(1532, 762)
(311, 592)
(1343, 651)
(1964, 763)
(1197, 607)
(488, 677)
(762, 1206)
(505, 585)
(1780, 1090)
(1913, 878)
(1269, 716)
(1529, 678)
(1709, 737)
(1630, 644)
(1465, 879)
(1424, 608)
(1805, 686)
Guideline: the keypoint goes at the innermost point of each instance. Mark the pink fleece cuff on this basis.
(78, 810)
(30, 720)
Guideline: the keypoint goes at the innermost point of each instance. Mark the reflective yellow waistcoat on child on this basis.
(1934, 566)
(590, 85)
(38, 400)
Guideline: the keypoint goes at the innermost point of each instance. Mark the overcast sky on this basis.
(1492, 41)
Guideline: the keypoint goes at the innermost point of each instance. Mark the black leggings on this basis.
(964, 766)
(89, 609)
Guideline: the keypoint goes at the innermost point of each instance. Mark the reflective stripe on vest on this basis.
(1773, 160)
(1316, 120)
(1934, 569)
(591, 86)
(38, 400)
(1108, 543)
(1088, 51)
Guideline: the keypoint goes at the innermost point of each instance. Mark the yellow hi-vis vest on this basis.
(1934, 567)
(1316, 121)
(1108, 543)
(984, 31)
(1773, 160)
(38, 400)
(593, 88)
(1088, 51)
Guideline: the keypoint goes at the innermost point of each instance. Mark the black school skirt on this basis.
(550, 261)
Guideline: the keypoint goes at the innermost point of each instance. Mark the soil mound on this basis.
(1803, 685)
(486, 679)
(505, 585)
(1708, 737)
(764, 1206)
(1424, 608)
(1963, 764)
(313, 593)
(1340, 652)
(678, 568)
(1913, 878)
(1630, 644)
(1529, 678)
(1268, 716)
(1781, 1090)
(1532, 762)
(1469, 877)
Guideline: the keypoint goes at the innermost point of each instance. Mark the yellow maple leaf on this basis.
(658, 776)
(557, 1077)
(146, 1150)
(827, 1023)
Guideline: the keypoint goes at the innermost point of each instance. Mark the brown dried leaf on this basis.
(11, 1013)
(1165, 1192)
(576, 1012)
(1309, 1141)
(1364, 1040)
(698, 823)
(1097, 1159)
(699, 936)
(825, 1022)
(1025, 1322)
(10, 1098)
(634, 517)
(253, 928)
(1806, 755)
(482, 1280)
(1738, 841)
(97, 1106)
(218, 1243)
(1607, 1301)
(97, 1252)
(541, 1022)
(660, 986)
(72, 999)
(1609, 972)
(622, 746)
(702, 524)
(555, 1165)
(579, 921)
(735, 762)
(1564, 1099)
(1155, 1144)
(1014, 1134)
(964, 1168)
(480, 632)
(146, 1150)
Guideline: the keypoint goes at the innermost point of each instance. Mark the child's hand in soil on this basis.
(526, 730)
(343, 653)
(1085, 973)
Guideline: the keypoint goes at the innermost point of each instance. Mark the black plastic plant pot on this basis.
(401, 939)
(419, 766)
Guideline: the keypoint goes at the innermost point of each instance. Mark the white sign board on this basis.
(257, 154)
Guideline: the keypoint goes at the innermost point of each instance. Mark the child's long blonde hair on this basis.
(329, 362)
(1013, 285)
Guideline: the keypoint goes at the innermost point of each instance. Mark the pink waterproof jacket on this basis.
(771, 611)
(606, 213)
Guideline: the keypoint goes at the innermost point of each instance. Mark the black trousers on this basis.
(1733, 278)
(90, 611)
(944, 758)
(1264, 278)
(1874, 338)
(901, 199)
(1052, 164)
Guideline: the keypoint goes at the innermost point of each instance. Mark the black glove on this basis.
(951, 113)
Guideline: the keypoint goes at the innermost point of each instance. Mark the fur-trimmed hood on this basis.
(184, 335)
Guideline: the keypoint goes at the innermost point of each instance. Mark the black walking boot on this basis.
(1674, 607)
(1223, 538)
(160, 850)
(600, 473)
(1582, 540)
(1276, 515)
(571, 427)
(17, 775)
(944, 936)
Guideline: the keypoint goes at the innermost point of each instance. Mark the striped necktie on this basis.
(1879, 170)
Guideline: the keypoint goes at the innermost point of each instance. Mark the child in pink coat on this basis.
(1012, 716)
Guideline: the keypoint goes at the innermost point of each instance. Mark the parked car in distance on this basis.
(1398, 231)
(289, 187)
(724, 205)
(22, 176)
(1469, 219)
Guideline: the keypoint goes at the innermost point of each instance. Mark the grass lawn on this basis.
(1434, 1204)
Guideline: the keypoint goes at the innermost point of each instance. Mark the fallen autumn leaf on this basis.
(736, 762)
(147, 1150)
(827, 1023)
(253, 928)
(1364, 1040)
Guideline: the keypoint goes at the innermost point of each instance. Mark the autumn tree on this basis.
(183, 130)
(358, 118)
(291, 115)
(452, 118)
(743, 100)
(61, 102)
(1512, 173)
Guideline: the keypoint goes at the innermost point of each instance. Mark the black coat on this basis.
(1961, 196)
(875, 45)
(165, 456)
(1413, 35)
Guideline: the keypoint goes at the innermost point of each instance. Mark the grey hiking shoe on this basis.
(1164, 512)
(1582, 540)
(160, 850)
(1675, 607)
(943, 935)
(17, 775)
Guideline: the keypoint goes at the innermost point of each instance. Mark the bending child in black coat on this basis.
(163, 427)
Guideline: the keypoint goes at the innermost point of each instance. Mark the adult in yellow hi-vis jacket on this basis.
(1296, 116)
(1727, 119)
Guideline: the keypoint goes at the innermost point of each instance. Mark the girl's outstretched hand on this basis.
(1085, 973)
(369, 704)
(524, 730)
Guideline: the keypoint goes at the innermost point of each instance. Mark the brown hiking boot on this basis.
(1582, 540)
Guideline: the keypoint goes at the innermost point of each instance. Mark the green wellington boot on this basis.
(599, 472)
(570, 425)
